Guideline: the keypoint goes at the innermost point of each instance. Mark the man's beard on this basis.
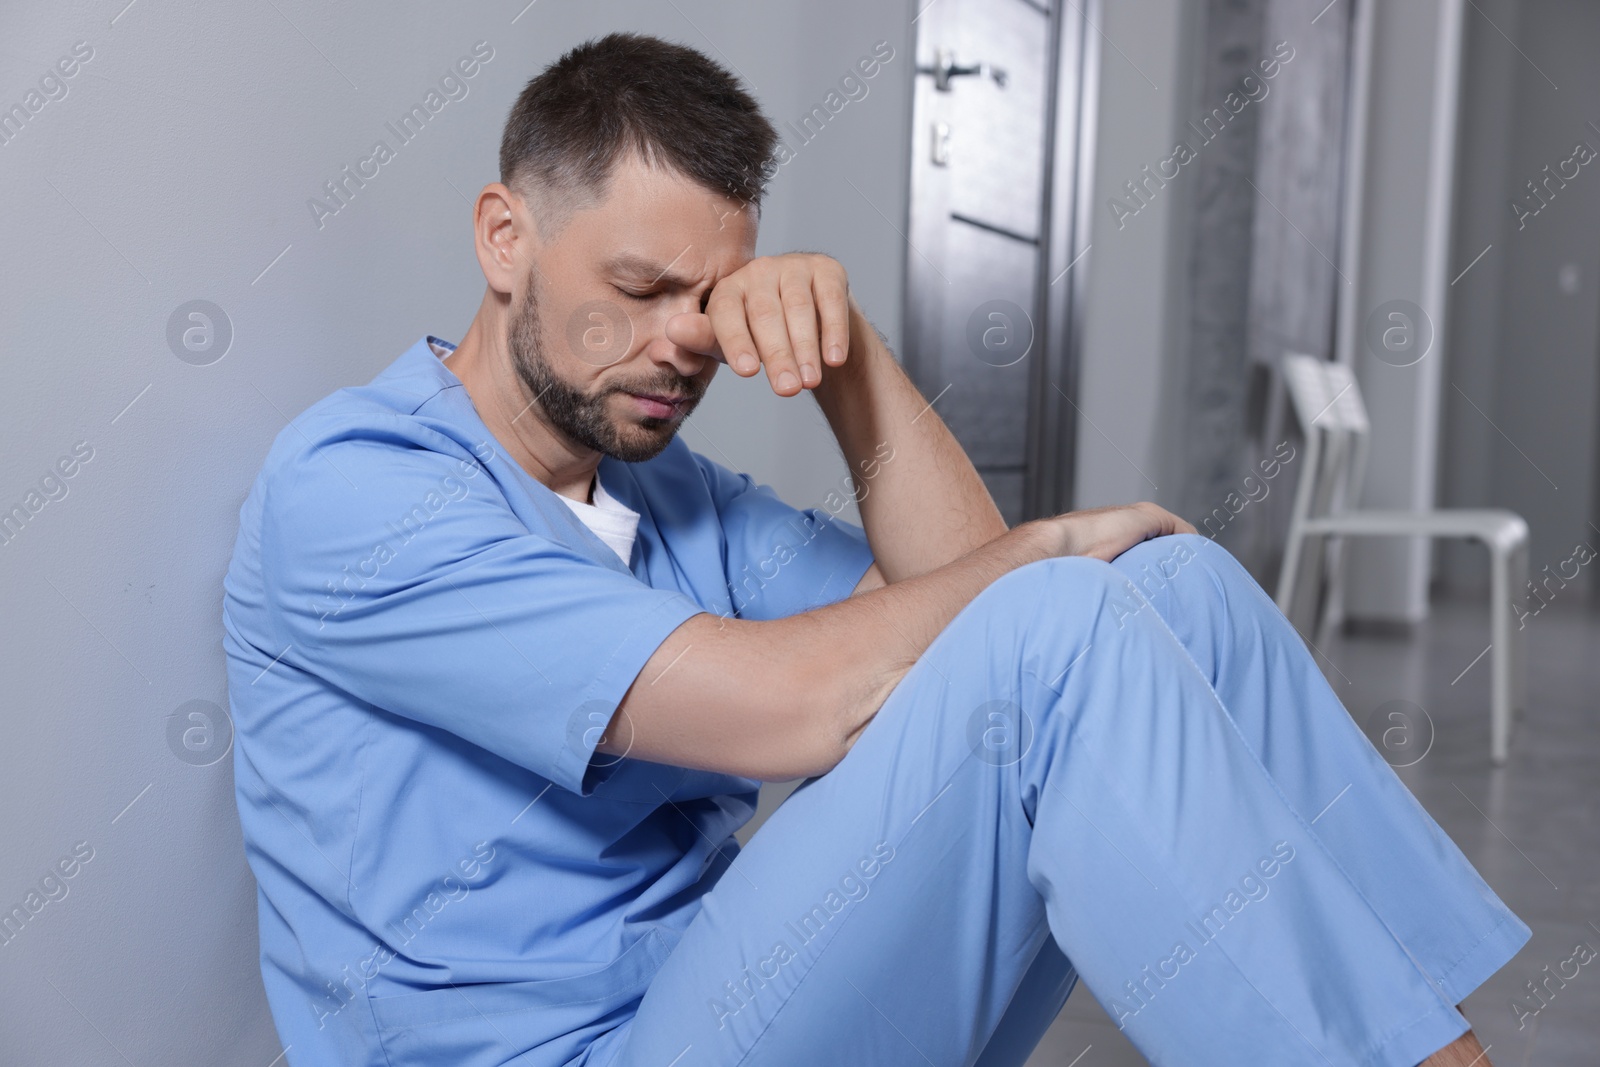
(581, 416)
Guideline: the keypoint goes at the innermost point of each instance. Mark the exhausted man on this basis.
(508, 662)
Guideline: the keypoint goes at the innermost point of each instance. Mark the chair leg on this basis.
(1518, 578)
(1289, 571)
(1504, 660)
(1333, 554)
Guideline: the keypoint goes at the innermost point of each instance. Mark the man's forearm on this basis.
(910, 614)
(922, 502)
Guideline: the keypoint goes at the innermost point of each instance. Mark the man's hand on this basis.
(1106, 533)
(789, 313)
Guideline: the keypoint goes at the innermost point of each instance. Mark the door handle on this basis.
(944, 68)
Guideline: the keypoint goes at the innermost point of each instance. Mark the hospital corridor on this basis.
(913, 533)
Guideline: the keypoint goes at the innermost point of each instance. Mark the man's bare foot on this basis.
(1464, 1051)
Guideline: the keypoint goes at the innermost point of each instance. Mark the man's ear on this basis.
(504, 237)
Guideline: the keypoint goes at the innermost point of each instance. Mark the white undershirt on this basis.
(611, 520)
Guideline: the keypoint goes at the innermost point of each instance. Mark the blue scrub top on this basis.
(424, 646)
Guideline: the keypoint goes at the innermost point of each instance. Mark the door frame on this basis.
(1069, 187)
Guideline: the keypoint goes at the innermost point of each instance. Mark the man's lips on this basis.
(660, 405)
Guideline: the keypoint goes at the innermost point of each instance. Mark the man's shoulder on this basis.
(396, 436)
(396, 412)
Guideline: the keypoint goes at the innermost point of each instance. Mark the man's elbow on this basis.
(828, 719)
(812, 742)
(802, 730)
(772, 700)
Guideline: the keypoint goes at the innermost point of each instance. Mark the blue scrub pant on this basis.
(1132, 773)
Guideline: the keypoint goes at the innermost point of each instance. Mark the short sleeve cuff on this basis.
(588, 723)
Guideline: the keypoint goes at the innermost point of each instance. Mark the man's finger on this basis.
(833, 309)
(800, 317)
(764, 313)
(727, 315)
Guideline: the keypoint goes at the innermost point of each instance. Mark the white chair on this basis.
(1328, 403)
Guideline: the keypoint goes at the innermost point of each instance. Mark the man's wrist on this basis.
(862, 362)
(1045, 538)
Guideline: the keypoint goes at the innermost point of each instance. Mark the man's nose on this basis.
(661, 349)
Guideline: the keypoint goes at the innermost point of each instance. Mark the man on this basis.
(508, 662)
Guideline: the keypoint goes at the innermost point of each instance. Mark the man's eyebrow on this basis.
(640, 267)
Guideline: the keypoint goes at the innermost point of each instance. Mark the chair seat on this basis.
(1496, 527)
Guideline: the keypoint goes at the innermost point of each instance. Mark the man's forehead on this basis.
(673, 209)
(674, 257)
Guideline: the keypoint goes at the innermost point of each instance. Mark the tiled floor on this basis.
(1532, 828)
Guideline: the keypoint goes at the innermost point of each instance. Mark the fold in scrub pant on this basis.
(1128, 772)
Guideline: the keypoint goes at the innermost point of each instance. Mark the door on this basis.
(993, 264)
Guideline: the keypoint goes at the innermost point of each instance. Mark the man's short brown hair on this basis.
(632, 93)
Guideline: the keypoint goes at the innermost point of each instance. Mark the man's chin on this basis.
(642, 440)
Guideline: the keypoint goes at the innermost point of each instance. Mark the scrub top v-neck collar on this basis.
(453, 393)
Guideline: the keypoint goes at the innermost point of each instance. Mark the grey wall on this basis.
(1209, 357)
(1482, 195)
(177, 167)
(1526, 343)
(1388, 576)
(1125, 386)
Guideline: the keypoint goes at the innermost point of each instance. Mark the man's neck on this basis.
(483, 365)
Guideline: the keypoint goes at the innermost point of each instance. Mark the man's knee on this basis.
(1160, 564)
(1033, 602)
(1036, 620)
(1062, 590)
(1197, 586)
(1050, 580)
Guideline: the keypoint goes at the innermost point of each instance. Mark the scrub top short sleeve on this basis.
(403, 579)
(782, 560)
